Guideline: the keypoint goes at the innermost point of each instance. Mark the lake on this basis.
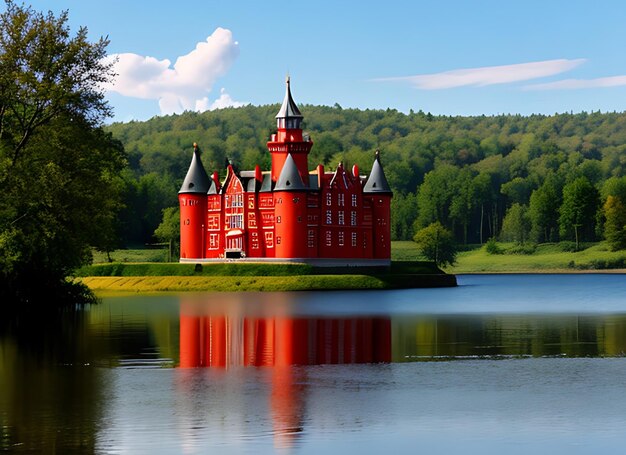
(502, 363)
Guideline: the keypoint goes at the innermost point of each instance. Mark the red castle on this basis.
(288, 213)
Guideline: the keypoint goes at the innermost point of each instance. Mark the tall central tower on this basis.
(288, 139)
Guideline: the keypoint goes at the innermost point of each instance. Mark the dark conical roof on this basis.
(289, 178)
(196, 180)
(289, 108)
(377, 182)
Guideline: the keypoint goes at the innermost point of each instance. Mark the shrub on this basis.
(526, 248)
(568, 247)
(492, 247)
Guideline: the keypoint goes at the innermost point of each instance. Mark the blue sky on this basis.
(445, 57)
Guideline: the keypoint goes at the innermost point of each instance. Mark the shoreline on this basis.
(166, 284)
(544, 272)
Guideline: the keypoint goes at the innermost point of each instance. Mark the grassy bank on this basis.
(540, 258)
(513, 258)
(161, 277)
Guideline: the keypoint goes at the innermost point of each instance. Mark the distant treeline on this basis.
(525, 178)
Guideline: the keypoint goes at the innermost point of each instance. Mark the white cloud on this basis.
(222, 102)
(489, 75)
(573, 84)
(186, 84)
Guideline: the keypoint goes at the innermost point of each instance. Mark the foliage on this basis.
(492, 247)
(169, 230)
(58, 168)
(615, 224)
(578, 211)
(516, 224)
(437, 244)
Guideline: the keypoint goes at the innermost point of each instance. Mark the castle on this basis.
(288, 213)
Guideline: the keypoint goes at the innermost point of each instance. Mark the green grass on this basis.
(242, 276)
(545, 258)
(131, 255)
(246, 269)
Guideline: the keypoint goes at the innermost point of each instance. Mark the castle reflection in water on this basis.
(221, 334)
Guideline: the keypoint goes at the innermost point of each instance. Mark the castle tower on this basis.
(290, 212)
(378, 192)
(192, 198)
(288, 139)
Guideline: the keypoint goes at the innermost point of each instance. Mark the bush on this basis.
(492, 247)
(568, 247)
(526, 248)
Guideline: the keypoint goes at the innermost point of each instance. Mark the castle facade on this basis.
(289, 213)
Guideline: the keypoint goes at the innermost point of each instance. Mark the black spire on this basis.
(377, 182)
(289, 178)
(289, 115)
(196, 180)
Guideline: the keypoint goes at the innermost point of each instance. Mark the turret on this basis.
(378, 192)
(290, 212)
(193, 207)
(288, 139)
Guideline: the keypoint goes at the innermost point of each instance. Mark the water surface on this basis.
(513, 363)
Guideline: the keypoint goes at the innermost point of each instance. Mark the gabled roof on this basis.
(289, 178)
(196, 180)
(212, 188)
(341, 177)
(377, 182)
(289, 108)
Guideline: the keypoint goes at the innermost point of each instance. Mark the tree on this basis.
(437, 244)
(516, 224)
(615, 223)
(578, 211)
(543, 211)
(57, 165)
(169, 230)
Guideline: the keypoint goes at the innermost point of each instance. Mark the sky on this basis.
(445, 57)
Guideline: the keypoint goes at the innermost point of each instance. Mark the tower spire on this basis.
(289, 116)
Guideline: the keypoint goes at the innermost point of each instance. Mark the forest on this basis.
(538, 178)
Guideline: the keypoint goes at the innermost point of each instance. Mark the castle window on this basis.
(329, 217)
(353, 218)
(187, 222)
(278, 240)
(235, 221)
(214, 222)
(341, 217)
(354, 200)
(251, 220)
(251, 203)
(299, 219)
(354, 239)
(310, 238)
(329, 199)
(296, 200)
(341, 238)
(278, 220)
(213, 241)
(340, 199)
(227, 201)
(269, 239)
(329, 238)
(255, 240)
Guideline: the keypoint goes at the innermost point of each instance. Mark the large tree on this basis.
(577, 220)
(57, 166)
(437, 244)
(615, 224)
(516, 224)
